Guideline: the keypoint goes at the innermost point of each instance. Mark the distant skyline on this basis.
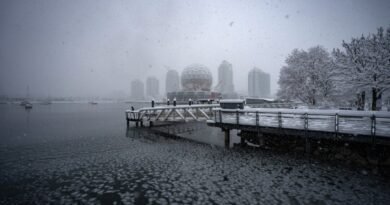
(96, 48)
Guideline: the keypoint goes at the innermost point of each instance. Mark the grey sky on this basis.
(95, 48)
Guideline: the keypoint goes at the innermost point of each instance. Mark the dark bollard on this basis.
(208, 101)
(174, 101)
(168, 102)
(152, 103)
(190, 102)
(132, 108)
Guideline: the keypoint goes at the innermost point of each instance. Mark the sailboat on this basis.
(47, 101)
(27, 105)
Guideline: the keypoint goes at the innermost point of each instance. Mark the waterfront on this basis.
(80, 153)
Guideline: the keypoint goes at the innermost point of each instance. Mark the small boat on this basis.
(93, 103)
(28, 106)
(46, 102)
(24, 102)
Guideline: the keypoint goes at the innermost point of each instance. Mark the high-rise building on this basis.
(172, 83)
(137, 90)
(259, 83)
(152, 87)
(225, 78)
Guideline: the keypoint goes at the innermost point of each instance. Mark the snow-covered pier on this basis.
(171, 113)
(364, 126)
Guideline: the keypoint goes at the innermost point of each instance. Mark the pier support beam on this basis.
(307, 146)
(242, 141)
(150, 124)
(227, 138)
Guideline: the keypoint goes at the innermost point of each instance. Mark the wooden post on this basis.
(307, 140)
(336, 124)
(237, 118)
(227, 138)
(373, 131)
(242, 140)
(127, 120)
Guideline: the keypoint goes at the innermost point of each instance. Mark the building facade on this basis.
(259, 84)
(137, 90)
(172, 82)
(152, 88)
(225, 78)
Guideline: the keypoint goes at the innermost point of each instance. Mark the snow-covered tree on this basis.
(307, 76)
(364, 64)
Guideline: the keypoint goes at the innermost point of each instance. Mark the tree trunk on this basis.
(374, 98)
(361, 100)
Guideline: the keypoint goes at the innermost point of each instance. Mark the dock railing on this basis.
(196, 112)
(368, 123)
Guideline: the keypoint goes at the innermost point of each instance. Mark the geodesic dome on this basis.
(196, 77)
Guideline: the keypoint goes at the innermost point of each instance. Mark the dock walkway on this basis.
(364, 126)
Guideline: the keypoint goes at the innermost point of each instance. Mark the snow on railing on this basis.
(338, 121)
(147, 112)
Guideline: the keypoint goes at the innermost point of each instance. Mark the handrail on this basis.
(353, 122)
(175, 107)
(344, 113)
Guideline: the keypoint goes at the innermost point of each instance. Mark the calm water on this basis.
(59, 122)
(80, 153)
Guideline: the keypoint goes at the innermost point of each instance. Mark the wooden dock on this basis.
(361, 126)
(368, 127)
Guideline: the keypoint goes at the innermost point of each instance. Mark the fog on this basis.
(95, 48)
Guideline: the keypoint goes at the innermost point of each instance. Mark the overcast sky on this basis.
(95, 48)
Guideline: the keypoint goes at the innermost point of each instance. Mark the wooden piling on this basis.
(227, 138)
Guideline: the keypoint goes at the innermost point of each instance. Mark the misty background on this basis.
(95, 48)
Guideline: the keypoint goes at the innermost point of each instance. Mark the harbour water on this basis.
(68, 153)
